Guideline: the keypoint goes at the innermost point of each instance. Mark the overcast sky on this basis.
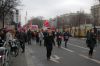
(52, 8)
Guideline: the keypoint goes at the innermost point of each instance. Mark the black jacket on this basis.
(45, 35)
(22, 37)
(49, 41)
(91, 40)
(66, 35)
(59, 36)
(29, 34)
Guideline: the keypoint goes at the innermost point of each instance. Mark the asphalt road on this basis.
(76, 54)
(20, 60)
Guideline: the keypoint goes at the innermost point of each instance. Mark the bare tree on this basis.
(37, 21)
(6, 7)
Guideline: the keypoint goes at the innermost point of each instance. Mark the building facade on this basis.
(95, 10)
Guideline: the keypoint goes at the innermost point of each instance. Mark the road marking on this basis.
(86, 57)
(54, 60)
(83, 38)
(56, 57)
(79, 46)
(67, 49)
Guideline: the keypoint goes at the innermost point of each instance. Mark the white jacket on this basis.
(41, 36)
(9, 36)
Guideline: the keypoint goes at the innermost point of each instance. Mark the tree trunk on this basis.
(3, 20)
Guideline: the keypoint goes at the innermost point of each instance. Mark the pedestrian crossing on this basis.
(55, 58)
(67, 49)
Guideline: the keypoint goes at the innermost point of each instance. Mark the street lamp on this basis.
(17, 13)
(3, 14)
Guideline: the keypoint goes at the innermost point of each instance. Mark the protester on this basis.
(17, 34)
(66, 37)
(49, 43)
(37, 37)
(91, 41)
(29, 36)
(3, 34)
(41, 37)
(53, 32)
(59, 38)
(22, 40)
(9, 36)
(45, 33)
(1, 38)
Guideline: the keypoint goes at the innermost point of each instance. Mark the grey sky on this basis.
(52, 8)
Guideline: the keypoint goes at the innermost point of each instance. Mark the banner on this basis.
(34, 27)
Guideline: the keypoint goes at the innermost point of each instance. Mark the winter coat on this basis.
(41, 36)
(22, 37)
(66, 36)
(45, 34)
(29, 35)
(9, 37)
(91, 40)
(49, 41)
(59, 36)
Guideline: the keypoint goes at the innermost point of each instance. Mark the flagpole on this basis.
(26, 17)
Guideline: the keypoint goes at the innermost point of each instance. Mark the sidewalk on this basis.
(20, 60)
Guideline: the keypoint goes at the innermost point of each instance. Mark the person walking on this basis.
(91, 41)
(66, 37)
(22, 40)
(58, 38)
(3, 34)
(37, 37)
(9, 36)
(40, 37)
(49, 44)
(53, 32)
(29, 36)
(45, 34)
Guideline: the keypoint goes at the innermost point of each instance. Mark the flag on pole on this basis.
(46, 23)
(26, 17)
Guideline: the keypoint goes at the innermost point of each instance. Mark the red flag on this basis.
(46, 23)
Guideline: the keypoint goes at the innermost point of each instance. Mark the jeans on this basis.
(49, 51)
(91, 51)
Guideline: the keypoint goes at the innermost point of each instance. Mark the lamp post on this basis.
(3, 15)
(17, 12)
(17, 16)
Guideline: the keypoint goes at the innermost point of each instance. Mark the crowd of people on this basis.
(46, 37)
